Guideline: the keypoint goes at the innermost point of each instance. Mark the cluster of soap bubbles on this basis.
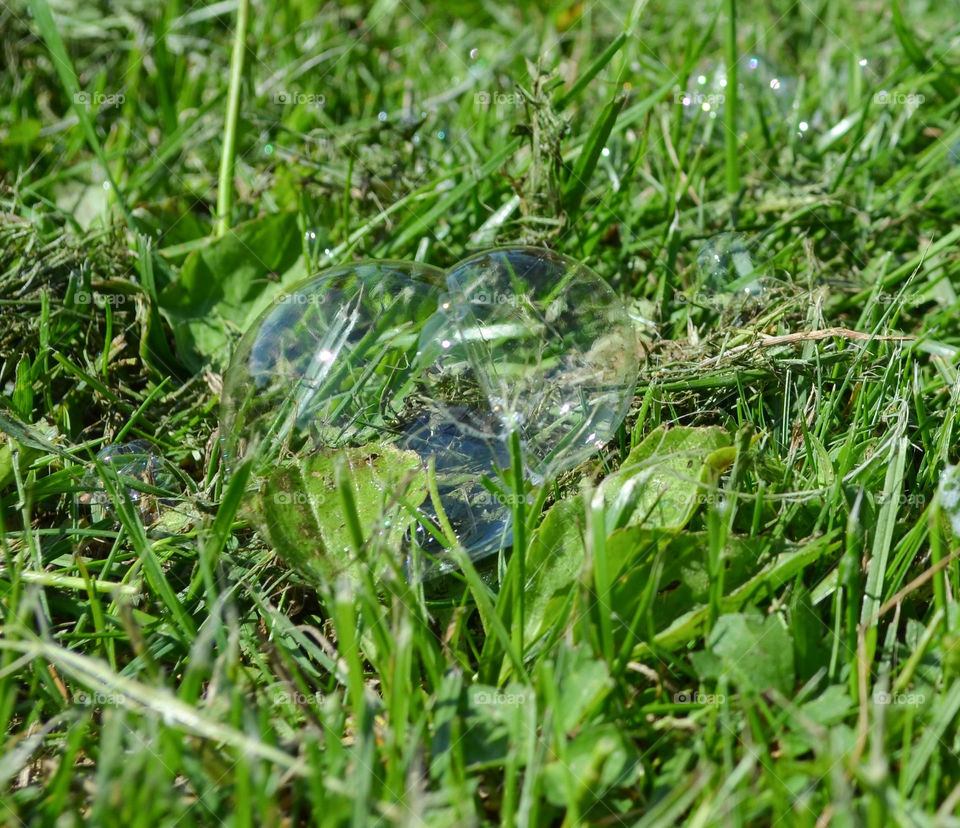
(401, 352)
(768, 93)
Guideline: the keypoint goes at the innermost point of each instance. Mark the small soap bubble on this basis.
(759, 86)
(382, 117)
(953, 154)
(726, 266)
(474, 54)
(136, 465)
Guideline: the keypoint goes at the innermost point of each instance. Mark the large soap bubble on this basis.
(545, 342)
(333, 364)
(329, 363)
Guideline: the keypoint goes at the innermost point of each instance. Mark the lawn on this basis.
(739, 607)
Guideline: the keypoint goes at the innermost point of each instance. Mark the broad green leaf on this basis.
(555, 560)
(670, 472)
(755, 651)
(598, 759)
(300, 509)
(583, 684)
(658, 488)
(224, 286)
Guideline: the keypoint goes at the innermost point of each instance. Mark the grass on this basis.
(751, 620)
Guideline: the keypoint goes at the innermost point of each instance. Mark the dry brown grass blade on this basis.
(800, 336)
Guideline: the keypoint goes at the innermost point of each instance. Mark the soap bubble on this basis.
(953, 154)
(949, 490)
(329, 363)
(545, 342)
(137, 468)
(333, 363)
(726, 266)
